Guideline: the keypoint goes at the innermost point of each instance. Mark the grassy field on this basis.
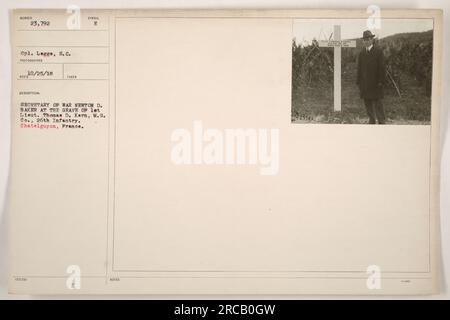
(313, 103)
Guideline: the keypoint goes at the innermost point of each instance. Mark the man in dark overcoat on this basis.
(371, 77)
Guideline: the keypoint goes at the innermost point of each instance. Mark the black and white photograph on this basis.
(149, 153)
(348, 71)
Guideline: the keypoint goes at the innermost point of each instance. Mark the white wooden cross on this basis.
(337, 43)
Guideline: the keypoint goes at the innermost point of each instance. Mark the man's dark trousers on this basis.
(375, 110)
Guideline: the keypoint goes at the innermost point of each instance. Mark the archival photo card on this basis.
(205, 152)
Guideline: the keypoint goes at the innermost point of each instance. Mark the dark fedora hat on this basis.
(368, 35)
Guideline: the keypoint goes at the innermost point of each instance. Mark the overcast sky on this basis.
(306, 30)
